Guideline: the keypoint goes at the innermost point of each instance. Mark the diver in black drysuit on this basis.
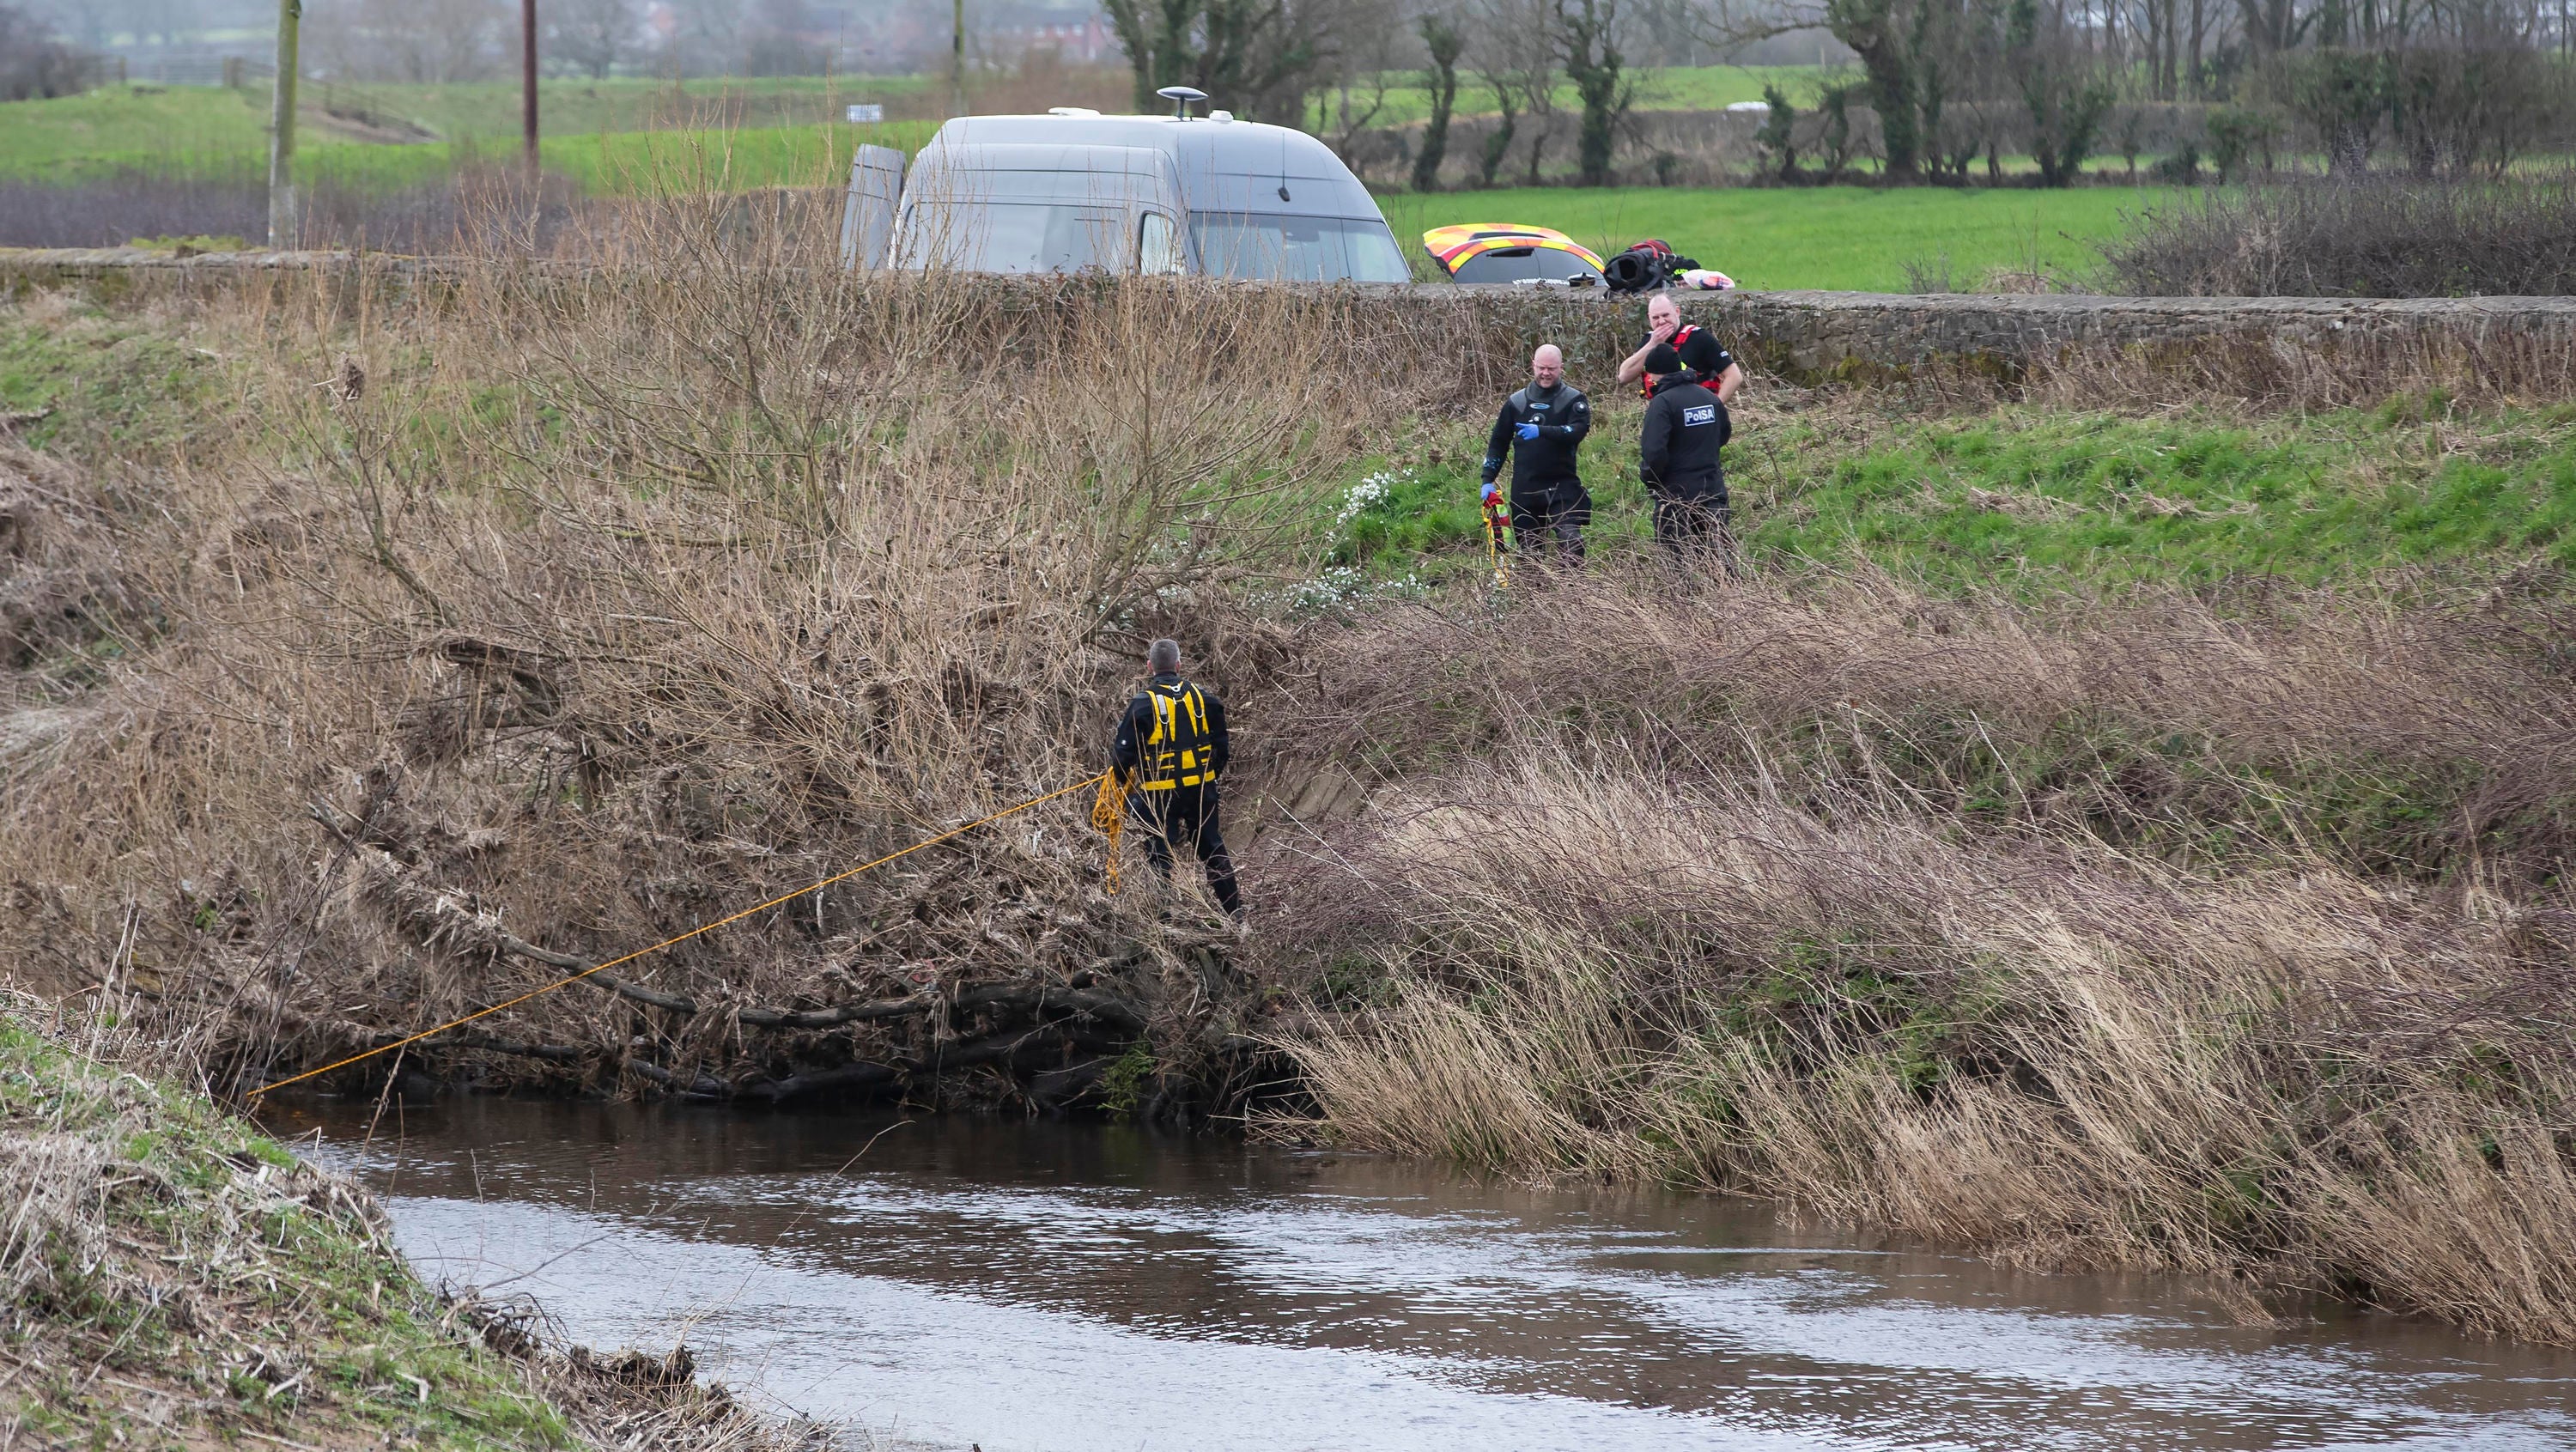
(1541, 427)
(1172, 744)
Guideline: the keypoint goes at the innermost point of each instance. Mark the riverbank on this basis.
(174, 1277)
(2095, 832)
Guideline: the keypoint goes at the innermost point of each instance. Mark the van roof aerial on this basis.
(1181, 97)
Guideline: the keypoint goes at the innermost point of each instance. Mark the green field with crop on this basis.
(208, 126)
(1850, 238)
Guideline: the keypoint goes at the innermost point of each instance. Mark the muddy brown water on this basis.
(1078, 1287)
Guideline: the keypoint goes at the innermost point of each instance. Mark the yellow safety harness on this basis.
(1177, 752)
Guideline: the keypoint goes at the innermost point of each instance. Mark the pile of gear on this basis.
(1653, 265)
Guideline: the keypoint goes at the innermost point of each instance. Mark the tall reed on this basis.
(2138, 934)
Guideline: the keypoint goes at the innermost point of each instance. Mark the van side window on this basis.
(1158, 246)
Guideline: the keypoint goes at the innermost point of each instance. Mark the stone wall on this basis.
(1479, 338)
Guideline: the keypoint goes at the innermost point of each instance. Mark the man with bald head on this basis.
(1541, 426)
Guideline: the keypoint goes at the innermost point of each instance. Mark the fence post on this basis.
(281, 131)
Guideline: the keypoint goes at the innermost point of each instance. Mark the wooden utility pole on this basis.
(957, 60)
(528, 81)
(281, 131)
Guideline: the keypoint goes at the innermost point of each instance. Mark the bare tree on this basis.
(1373, 51)
(1441, 46)
(591, 36)
(416, 41)
(1514, 50)
(705, 36)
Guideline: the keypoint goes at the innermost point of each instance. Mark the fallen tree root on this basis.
(1038, 1041)
(1006, 997)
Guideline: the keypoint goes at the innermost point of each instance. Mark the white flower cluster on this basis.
(1343, 588)
(1367, 494)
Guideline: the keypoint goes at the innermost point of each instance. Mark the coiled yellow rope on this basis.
(1109, 819)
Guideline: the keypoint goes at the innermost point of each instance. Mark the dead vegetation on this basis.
(573, 611)
(2145, 935)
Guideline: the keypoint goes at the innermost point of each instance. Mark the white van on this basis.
(1075, 190)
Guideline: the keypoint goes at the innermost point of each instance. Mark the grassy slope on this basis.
(2043, 499)
(289, 1314)
(1838, 237)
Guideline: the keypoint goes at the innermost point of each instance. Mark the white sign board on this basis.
(868, 113)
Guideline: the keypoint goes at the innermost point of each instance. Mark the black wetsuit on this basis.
(1547, 497)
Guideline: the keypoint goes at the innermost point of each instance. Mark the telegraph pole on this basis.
(528, 81)
(281, 131)
(957, 61)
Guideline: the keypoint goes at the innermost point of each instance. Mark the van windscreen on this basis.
(1014, 237)
(1296, 249)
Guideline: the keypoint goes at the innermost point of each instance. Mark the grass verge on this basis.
(172, 1277)
(2038, 500)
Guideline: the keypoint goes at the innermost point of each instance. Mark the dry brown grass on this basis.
(583, 605)
(2051, 1051)
(2403, 731)
(2145, 934)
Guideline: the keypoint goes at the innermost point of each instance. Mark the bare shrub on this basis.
(594, 604)
(2376, 238)
(33, 65)
(2162, 931)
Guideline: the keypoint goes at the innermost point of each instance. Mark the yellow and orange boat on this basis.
(1507, 252)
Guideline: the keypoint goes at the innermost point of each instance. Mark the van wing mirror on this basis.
(867, 217)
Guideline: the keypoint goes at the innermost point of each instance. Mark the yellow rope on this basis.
(705, 928)
(1494, 548)
(1109, 819)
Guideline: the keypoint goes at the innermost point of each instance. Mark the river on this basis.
(1078, 1287)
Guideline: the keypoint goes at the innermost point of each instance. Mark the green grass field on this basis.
(1848, 238)
(205, 126)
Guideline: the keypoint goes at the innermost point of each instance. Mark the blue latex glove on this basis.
(1493, 493)
(1527, 432)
